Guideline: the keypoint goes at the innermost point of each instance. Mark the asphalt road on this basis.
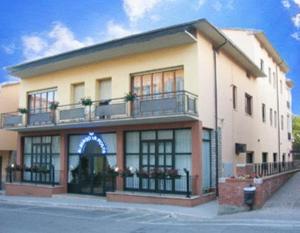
(34, 219)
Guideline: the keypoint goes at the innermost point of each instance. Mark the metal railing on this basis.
(48, 176)
(156, 105)
(268, 169)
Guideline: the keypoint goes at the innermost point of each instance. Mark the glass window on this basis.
(168, 81)
(148, 135)
(104, 89)
(147, 84)
(183, 141)
(137, 80)
(263, 112)
(179, 80)
(157, 83)
(132, 142)
(271, 116)
(40, 101)
(234, 96)
(78, 92)
(248, 104)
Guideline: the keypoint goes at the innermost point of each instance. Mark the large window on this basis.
(158, 82)
(39, 101)
(77, 92)
(207, 163)
(104, 89)
(40, 154)
(147, 151)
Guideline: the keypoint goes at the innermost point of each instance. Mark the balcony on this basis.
(158, 108)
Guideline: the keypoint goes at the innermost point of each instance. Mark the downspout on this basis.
(215, 51)
(278, 117)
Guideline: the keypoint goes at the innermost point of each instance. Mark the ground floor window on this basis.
(91, 157)
(159, 158)
(249, 157)
(41, 159)
(207, 173)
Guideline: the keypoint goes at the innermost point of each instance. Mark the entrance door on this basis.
(0, 172)
(91, 174)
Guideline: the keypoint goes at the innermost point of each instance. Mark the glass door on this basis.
(148, 164)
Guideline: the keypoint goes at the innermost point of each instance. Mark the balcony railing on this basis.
(268, 169)
(181, 103)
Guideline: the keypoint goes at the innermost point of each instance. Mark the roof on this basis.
(265, 42)
(9, 83)
(161, 38)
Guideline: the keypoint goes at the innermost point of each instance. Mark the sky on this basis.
(31, 29)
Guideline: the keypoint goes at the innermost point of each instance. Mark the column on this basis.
(64, 161)
(197, 157)
(120, 158)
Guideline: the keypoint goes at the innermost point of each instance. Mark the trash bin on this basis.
(249, 196)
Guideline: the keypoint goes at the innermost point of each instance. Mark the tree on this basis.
(296, 133)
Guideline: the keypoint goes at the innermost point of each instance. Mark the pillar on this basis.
(120, 158)
(197, 158)
(63, 161)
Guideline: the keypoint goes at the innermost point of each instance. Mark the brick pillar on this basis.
(197, 157)
(19, 158)
(64, 161)
(244, 169)
(120, 158)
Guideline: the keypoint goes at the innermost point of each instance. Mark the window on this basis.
(263, 112)
(271, 116)
(275, 119)
(39, 101)
(104, 89)
(288, 105)
(234, 96)
(282, 124)
(264, 157)
(249, 157)
(281, 90)
(274, 80)
(248, 104)
(207, 161)
(262, 65)
(274, 157)
(158, 82)
(41, 152)
(78, 92)
(270, 76)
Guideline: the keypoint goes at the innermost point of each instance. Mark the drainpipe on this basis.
(278, 117)
(215, 51)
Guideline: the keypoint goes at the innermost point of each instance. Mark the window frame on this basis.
(248, 104)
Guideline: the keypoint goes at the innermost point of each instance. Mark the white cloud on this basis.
(297, 2)
(286, 3)
(217, 6)
(9, 49)
(200, 3)
(137, 9)
(59, 39)
(296, 36)
(115, 30)
(296, 20)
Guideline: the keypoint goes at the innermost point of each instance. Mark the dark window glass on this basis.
(248, 104)
(234, 96)
(249, 157)
(40, 101)
(263, 112)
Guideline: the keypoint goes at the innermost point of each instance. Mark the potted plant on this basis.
(129, 97)
(86, 101)
(128, 172)
(172, 173)
(142, 173)
(157, 173)
(23, 110)
(53, 105)
(43, 169)
(34, 168)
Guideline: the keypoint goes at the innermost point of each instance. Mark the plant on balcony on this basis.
(157, 173)
(112, 171)
(129, 97)
(23, 110)
(128, 172)
(43, 169)
(53, 105)
(172, 173)
(34, 168)
(86, 101)
(142, 173)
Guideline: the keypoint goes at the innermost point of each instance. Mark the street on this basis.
(34, 219)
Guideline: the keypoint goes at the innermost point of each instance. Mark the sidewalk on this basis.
(204, 211)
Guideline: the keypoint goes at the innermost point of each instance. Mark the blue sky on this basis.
(31, 29)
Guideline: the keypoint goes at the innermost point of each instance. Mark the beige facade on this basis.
(212, 65)
(9, 102)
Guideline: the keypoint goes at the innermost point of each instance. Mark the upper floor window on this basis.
(282, 122)
(104, 89)
(281, 89)
(39, 101)
(263, 112)
(234, 96)
(248, 104)
(78, 92)
(158, 82)
(288, 105)
(275, 119)
(262, 65)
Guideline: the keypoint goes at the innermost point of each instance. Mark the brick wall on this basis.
(231, 193)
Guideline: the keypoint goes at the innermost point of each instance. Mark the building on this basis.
(9, 102)
(166, 109)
